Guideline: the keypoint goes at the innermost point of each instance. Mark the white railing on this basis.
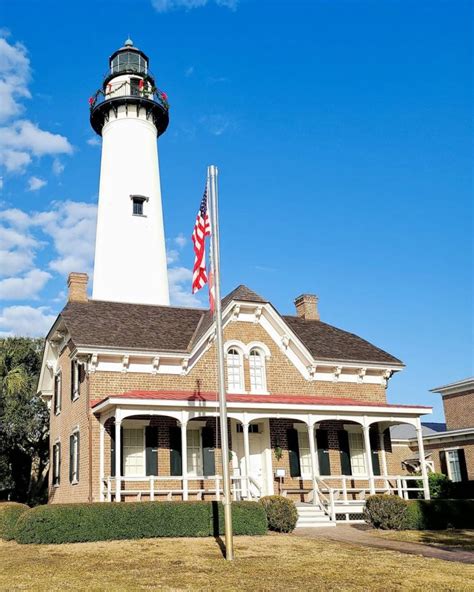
(151, 487)
(347, 492)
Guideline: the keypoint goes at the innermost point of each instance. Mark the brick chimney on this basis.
(307, 307)
(77, 285)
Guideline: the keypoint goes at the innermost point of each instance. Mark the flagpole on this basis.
(212, 179)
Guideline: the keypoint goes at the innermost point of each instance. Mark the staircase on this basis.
(311, 516)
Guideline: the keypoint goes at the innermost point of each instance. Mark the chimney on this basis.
(307, 307)
(77, 284)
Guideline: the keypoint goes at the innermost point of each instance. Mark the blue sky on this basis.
(342, 131)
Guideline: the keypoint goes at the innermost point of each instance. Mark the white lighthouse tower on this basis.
(129, 112)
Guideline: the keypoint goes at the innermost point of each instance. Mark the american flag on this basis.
(202, 228)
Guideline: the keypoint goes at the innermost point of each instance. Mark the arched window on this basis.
(234, 371)
(257, 371)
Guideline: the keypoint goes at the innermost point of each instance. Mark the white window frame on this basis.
(57, 462)
(447, 451)
(75, 457)
(57, 396)
(262, 356)
(194, 471)
(241, 387)
(75, 380)
(357, 430)
(134, 425)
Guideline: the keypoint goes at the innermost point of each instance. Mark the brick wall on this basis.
(459, 410)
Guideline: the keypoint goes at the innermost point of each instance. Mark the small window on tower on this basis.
(138, 201)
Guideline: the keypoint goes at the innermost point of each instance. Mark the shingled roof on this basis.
(119, 325)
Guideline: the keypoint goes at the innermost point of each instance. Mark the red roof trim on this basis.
(212, 396)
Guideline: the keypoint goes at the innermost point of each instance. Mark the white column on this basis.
(383, 456)
(245, 427)
(118, 459)
(314, 466)
(368, 458)
(101, 458)
(421, 452)
(184, 457)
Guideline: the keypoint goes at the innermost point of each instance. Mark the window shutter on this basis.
(323, 452)
(78, 454)
(462, 464)
(442, 462)
(343, 438)
(112, 452)
(293, 452)
(71, 457)
(151, 443)
(208, 459)
(59, 463)
(374, 447)
(176, 462)
(55, 464)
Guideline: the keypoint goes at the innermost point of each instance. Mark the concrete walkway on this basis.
(357, 534)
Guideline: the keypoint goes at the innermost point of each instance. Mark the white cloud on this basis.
(25, 321)
(1, 183)
(94, 141)
(189, 71)
(15, 74)
(180, 279)
(167, 5)
(24, 288)
(181, 240)
(217, 124)
(35, 183)
(27, 136)
(57, 167)
(13, 238)
(14, 262)
(14, 161)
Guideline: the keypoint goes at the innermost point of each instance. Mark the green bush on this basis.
(281, 512)
(388, 512)
(441, 487)
(440, 514)
(72, 523)
(10, 512)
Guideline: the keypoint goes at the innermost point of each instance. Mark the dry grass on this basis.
(463, 539)
(274, 562)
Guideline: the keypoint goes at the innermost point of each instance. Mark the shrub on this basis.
(388, 512)
(72, 523)
(440, 514)
(281, 512)
(441, 487)
(10, 512)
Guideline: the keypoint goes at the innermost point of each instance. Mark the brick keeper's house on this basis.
(131, 380)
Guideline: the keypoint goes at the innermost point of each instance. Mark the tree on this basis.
(24, 433)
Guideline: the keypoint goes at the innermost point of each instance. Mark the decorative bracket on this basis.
(258, 313)
(125, 363)
(236, 311)
(362, 372)
(155, 364)
(184, 365)
(285, 341)
(386, 375)
(312, 371)
(337, 373)
(93, 363)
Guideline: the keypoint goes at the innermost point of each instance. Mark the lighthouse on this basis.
(130, 113)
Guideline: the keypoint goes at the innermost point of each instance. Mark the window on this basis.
(134, 452)
(254, 428)
(454, 466)
(57, 393)
(257, 371)
(74, 458)
(305, 454)
(74, 380)
(56, 463)
(135, 87)
(194, 452)
(357, 452)
(234, 371)
(127, 61)
(137, 204)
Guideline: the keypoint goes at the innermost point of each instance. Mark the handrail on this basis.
(124, 89)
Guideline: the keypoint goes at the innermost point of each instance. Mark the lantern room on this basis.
(128, 59)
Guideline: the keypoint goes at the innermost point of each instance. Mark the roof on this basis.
(406, 431)
(286, 399)
(460, 386)
(142, 327)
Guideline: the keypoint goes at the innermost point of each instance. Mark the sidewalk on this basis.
(356, 534)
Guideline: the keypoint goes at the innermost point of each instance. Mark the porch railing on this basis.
(153, 490)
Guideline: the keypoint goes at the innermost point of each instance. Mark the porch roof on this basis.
(279, 399)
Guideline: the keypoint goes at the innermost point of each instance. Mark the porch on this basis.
(328, 455)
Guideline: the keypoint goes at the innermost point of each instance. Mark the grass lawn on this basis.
(274, 562)
(444, 538)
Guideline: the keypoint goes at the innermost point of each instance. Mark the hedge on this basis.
(10, 512)
(439, 514)
(387, 512)
(73, 523)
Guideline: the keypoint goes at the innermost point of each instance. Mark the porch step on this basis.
(310, 516)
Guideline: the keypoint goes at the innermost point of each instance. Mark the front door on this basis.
(257, 469)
